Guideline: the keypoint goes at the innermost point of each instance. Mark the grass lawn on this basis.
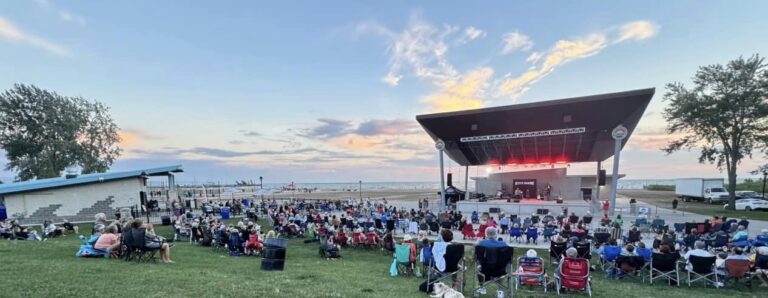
(664, 199)
(50, 269)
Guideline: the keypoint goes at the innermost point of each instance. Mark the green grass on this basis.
(50, 269)
(664, 199)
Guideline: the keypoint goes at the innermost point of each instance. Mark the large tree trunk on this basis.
(732, 186)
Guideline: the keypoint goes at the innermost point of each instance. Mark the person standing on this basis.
(674, 205)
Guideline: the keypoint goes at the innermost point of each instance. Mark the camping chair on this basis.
(404, 259)
(548, 232)
(745, 245)
(646, 253)
(530, 272)
(532, 233)
(609, 255)
(664, 265)
(738, 269)
(358, 239)
(235, 244)
(454, 268)
(680, 228)
(583, 250)
(601, 237)
(574, 275)
(481, 231)
(703, 269)
(137, 247)
(516, 233)
(761, 240)
(632, 237)
(658, 225)
(556, 251)
(426, 257)
(495, 267)
(468, 232)
(720, 242)
(629, 266)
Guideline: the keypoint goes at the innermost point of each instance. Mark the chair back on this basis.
(574, 273)
(515, 232)
(532, 268)
(583, 249)
(641, 222)
(630, 263)
(602, 237)
(610, 253)
(664, 262)
(493, 260)
(403, 253)
(737, 268)
(702, 265)
(644, 252)
(426, 256)
(557, 249)
(633, 236)
(680, 228)
(761, 261)
(138, 238)
(720, 240)
(762, 239)
(532, 232)
(454, 253)
(548, 231)
(658, 223)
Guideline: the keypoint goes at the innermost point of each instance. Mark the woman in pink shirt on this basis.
(109, 241)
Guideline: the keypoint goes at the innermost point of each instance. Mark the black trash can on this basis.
(273, 254)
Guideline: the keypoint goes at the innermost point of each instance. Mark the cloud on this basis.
(63, 14)
(466, 92)
(637, 30)
(250, 133)
(514, 41)
(533, 58)
(473, 33)
(328, 128)
(387, 127)
(236, 142)
(562, 52)
(12, 33)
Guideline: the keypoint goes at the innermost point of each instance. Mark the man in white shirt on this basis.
(699, 251)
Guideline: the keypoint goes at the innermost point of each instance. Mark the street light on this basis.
(261, 182)
(765, 174)
(360, 190)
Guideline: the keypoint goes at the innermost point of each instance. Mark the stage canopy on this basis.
(545, 132)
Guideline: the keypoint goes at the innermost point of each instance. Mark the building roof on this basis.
(59, 182)
(557, 131)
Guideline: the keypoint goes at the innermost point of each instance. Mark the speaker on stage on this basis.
(601, 178)
(542, 211)
(494, 210)
(559, 200)
(166, 220)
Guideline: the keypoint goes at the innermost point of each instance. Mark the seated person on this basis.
(628, 251)
(372, 238)
(740, 235)
(699, 250)
(153, 241)
(50, 230)
(109, 241)
(569, 253)
(491, 239)
(737, 254)
(333, 250)
(70, 227)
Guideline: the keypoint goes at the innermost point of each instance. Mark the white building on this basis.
(80, 197)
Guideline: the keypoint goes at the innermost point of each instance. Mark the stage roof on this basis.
(556, 131)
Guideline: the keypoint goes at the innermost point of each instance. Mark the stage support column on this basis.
(440, 146)
(618, 134)
(596, 198)
(466, 182)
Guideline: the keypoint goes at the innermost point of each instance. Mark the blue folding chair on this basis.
(609, 255)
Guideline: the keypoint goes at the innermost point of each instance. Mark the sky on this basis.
(315, 91)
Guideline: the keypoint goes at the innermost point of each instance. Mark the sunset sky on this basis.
(316, 91)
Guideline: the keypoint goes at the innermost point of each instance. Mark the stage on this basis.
(524, 207)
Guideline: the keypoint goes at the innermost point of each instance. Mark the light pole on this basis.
(261, 182)
(765, 174)
(360, 189)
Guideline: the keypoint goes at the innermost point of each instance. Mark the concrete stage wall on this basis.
(526, 207)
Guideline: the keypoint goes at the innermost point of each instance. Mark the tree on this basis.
(725, 114)
(43, 132)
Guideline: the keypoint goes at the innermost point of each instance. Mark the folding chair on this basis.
(425, 257)
(583, 250)
(530, 272)
(680, 228)
(532, 233)
(720, 242)
(548, 233)
(658, 225)
(468, 232)
(609, 255)
(633, 237)
(138, 247)
(556, 251)
(629, 266)
(761, 240)
(574, 275)
(403, 258)
(703, 270)
(664, 265)
(601, 237)
(646, 253)
(454, 268)
(738, 269)
(495, 267)
(516, 233)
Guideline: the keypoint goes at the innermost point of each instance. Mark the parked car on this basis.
(748, 194)
(750, 204)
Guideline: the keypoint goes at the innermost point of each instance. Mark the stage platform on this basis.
(525, 206)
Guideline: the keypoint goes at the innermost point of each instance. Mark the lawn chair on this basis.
(358, 239)
(218, 242)
(532, 233)
(761, 240)
(425, 258)
(481, 231)
(720, 242)
(405, 264)
(646, 253)
(583, 250)
(738, 269)
(495, 267)
(556, 251)
(609, 255)
(664, 265)
(137, 247)
(574, 275)
(548, 232)
(633, 237)
(530, 272)
(680, 228)
(658, 225)
(629, 266)
(601, 237)
(454, 268)
(468, 232)
(516, 233)
(703, 270)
